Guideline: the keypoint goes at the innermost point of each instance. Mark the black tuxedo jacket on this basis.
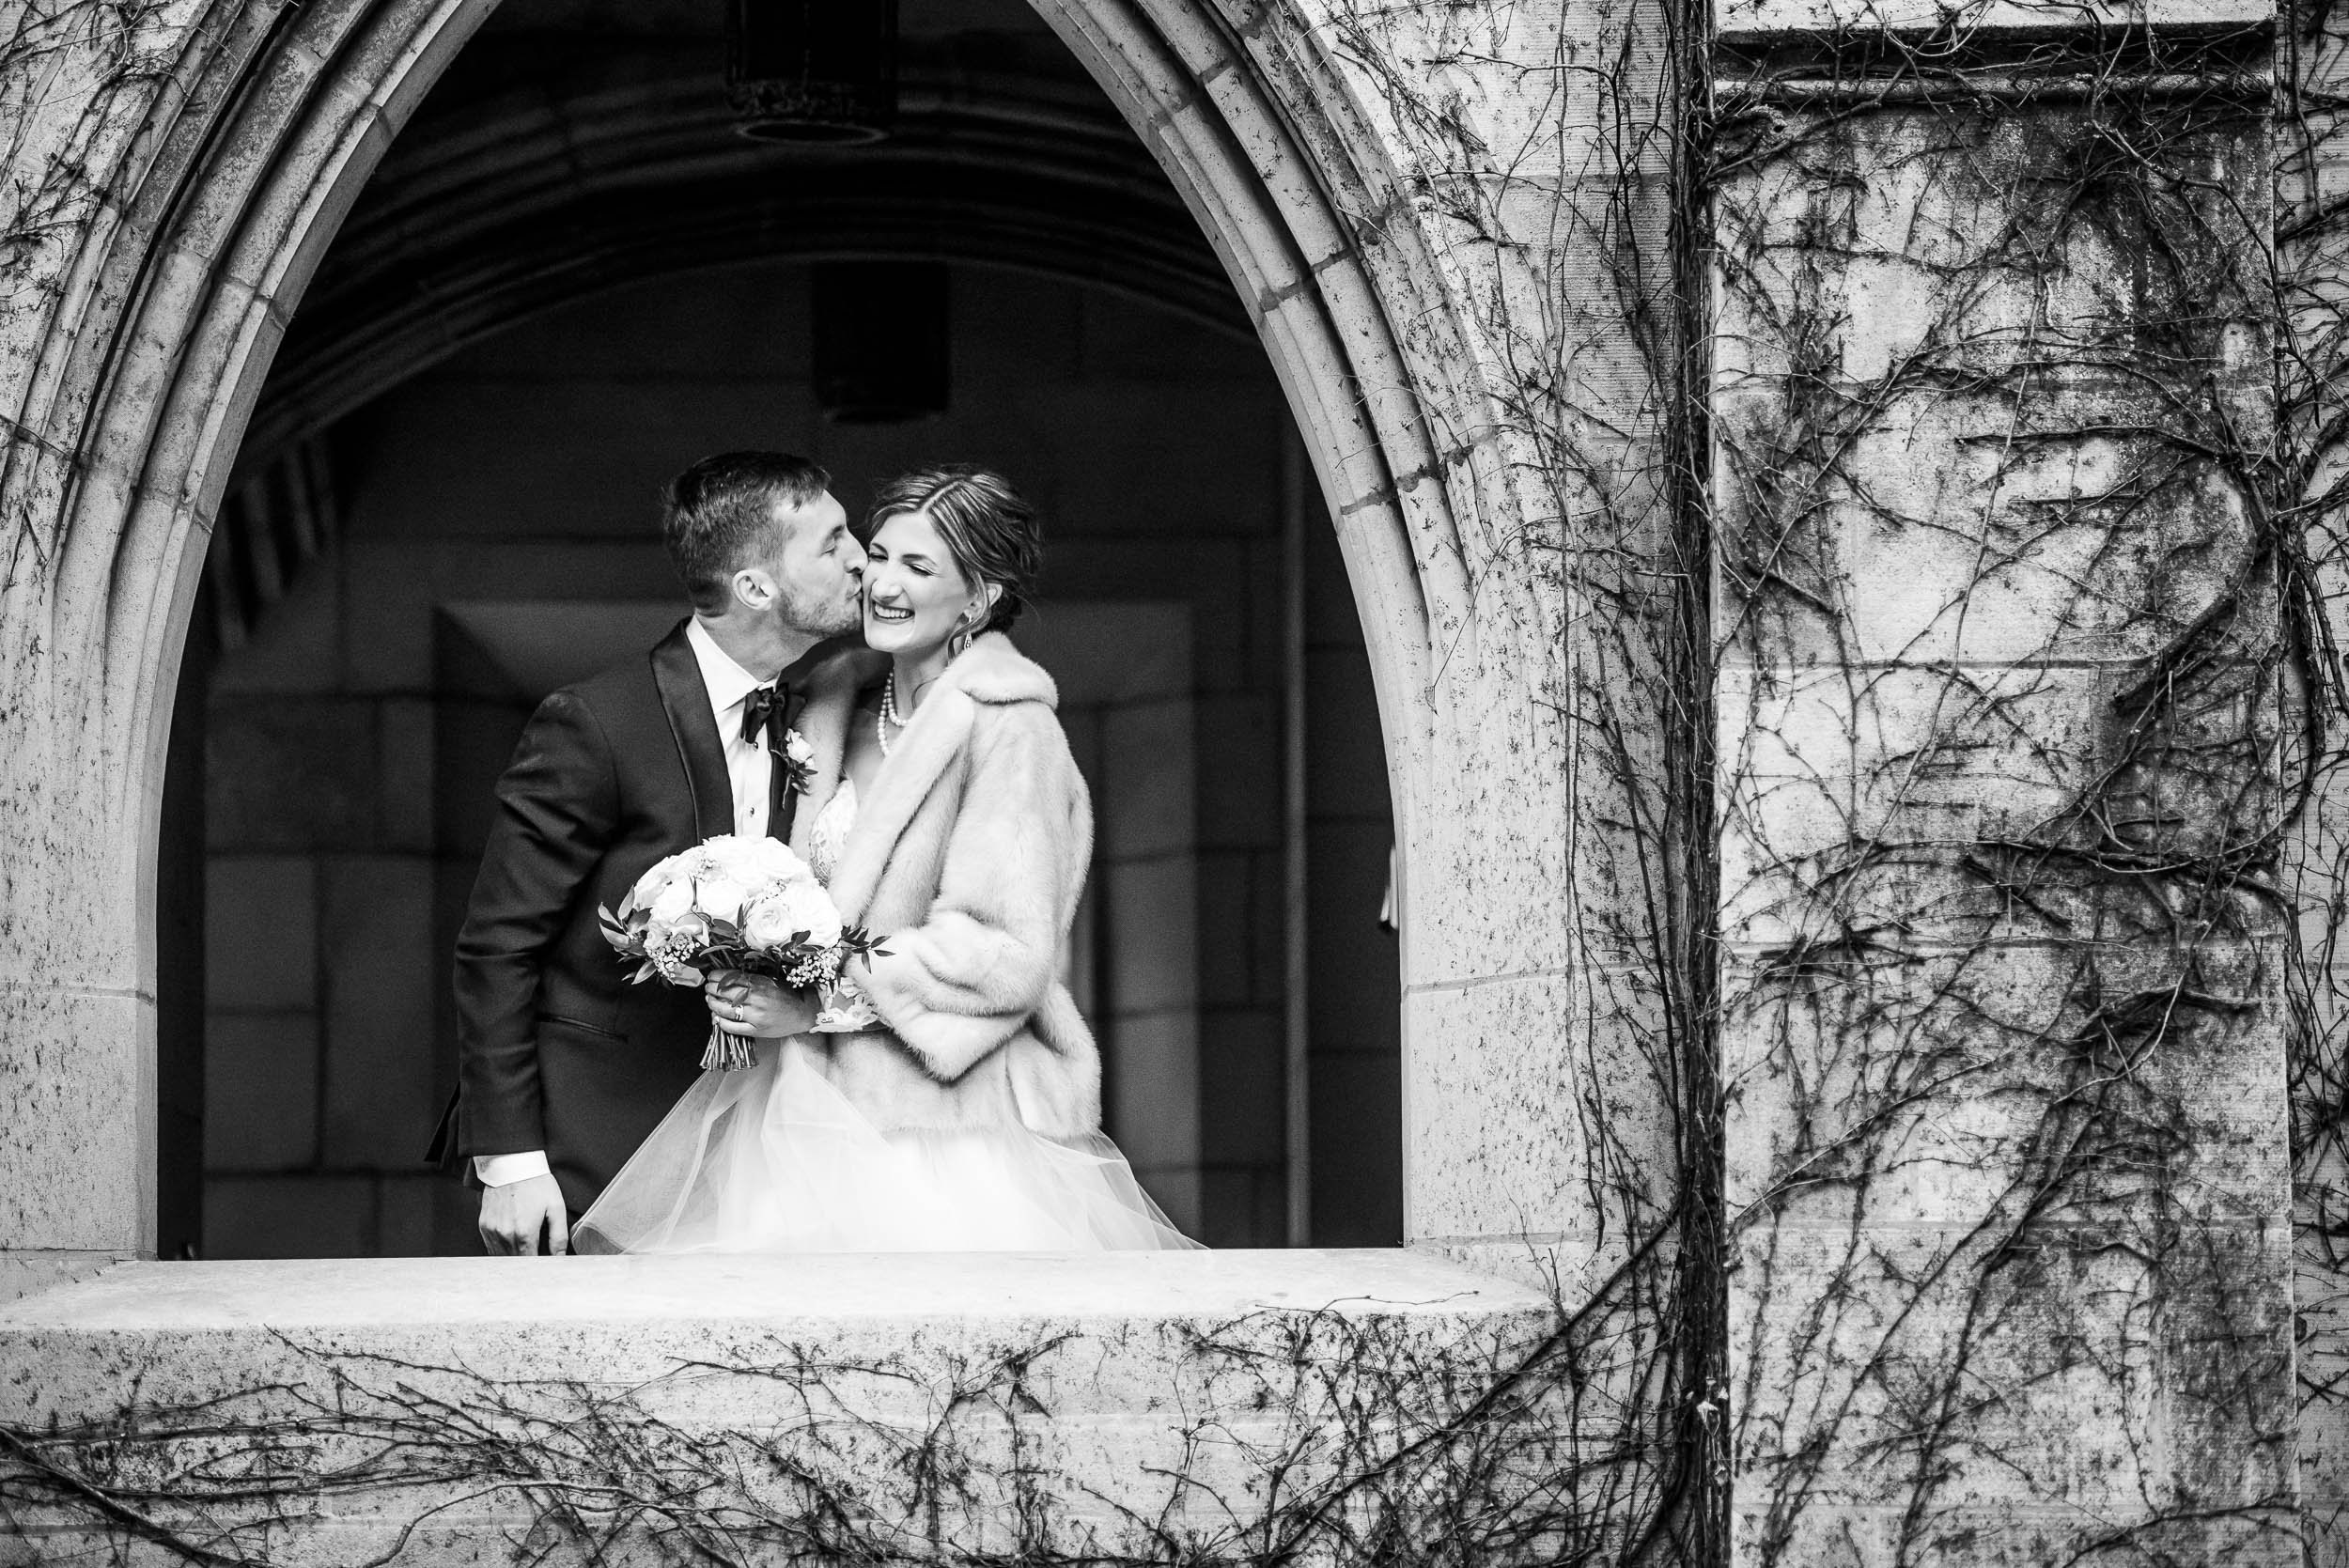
(556, 1050)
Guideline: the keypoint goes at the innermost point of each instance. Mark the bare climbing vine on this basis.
(2022, 649)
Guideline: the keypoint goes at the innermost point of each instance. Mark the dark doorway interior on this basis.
(435, 525)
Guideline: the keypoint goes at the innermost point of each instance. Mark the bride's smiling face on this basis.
(915, 595)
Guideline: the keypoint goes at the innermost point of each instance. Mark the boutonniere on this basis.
(799, 761)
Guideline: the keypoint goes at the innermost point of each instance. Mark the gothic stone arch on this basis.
(200, 166)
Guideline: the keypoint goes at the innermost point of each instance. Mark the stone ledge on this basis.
(809, 1290)
(443, 1409)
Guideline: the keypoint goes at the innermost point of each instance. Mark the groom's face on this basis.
(817, 568)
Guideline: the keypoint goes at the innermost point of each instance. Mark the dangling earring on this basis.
(961, 640)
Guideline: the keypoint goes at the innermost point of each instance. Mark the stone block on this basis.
(409, 1212)
(1104, 653)
(1154, 1082)
(472, 742)
(382, 971)
(2084, 1086)
(582, 457)
(289, 773)
(27, 1273)
(815, 1369)
(291, 1216)
(1841, 1340)
(1243, 1088)
(294, 647)
(1247, 1206)
(734, 323)
(1488, 896)
(1355, 1119)
(1481, 1167)
(1773, 17)
(1018, 331)
(1153, 934)
(79, 1155)
(1911, 271)
(1950, 801)
(1345, 751)
(388, 631)
(1269, 928)
(1239, 770)
(261, 931)
(456, 1219)
(405, 774)
(1149, 799)
(260, 1091)
(1121, 341)
(1083, 727)
(1244, 935)
(1974, 527)
(1353, 965)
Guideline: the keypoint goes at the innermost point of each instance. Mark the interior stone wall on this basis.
(353, 739)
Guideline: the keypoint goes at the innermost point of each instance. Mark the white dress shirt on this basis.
(750, 768)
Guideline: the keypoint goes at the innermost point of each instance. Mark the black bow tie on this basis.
(770, 708)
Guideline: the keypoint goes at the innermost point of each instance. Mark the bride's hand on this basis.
(743, 1004)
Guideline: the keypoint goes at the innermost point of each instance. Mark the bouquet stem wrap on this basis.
(726, 1052)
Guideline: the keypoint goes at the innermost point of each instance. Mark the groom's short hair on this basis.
(717, 516)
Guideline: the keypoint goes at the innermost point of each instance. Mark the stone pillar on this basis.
(1999, 714)
(175, 172)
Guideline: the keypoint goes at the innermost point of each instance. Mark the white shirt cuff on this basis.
(505, 1170)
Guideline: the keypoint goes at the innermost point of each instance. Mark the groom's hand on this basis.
(514, 1216)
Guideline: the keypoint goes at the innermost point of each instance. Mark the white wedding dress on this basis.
(772, 1159)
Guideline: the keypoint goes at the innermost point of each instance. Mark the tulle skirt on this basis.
(772, 1159)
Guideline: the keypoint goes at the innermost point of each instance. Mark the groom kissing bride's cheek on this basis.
(940, 1091)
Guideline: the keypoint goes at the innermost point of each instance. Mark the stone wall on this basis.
(2003, 716)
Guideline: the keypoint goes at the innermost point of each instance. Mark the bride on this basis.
(948, 1097)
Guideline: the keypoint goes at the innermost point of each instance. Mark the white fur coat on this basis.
(966, 859)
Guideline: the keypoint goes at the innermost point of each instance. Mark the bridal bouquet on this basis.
(738, 903)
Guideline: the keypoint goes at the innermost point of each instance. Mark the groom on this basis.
(563, 1066)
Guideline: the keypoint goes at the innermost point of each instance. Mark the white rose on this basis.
(673, 903)
(720, 898)
(814, 912)
(776, 863)
(795, 746)
(789, 909)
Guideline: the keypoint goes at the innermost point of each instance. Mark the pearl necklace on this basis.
(888, 714)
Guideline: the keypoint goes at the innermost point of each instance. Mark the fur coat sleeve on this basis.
(1010, 840)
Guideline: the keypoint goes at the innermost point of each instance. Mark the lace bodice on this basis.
(847, 1009)
(829, 835)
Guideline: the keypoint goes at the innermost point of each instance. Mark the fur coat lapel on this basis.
(991, 670)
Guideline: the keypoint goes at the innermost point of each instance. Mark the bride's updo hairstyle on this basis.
(988, 527)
